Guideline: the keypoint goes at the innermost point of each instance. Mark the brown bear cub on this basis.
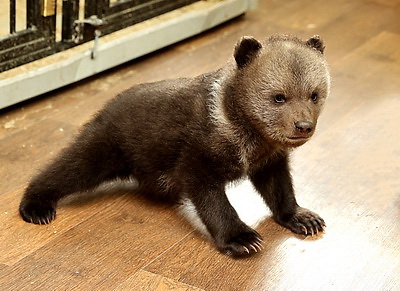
(185, 139)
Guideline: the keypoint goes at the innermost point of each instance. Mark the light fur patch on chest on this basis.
(224, 125)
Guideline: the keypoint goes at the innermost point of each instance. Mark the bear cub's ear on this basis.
(246, 50)
(316, 43)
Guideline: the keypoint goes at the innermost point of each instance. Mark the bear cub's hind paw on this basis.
(37, 212)
(243, 244)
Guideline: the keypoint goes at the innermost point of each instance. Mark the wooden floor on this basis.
(349, 173)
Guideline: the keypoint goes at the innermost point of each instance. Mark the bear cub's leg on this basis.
(85, 164)
(274, 183)
(230, 235)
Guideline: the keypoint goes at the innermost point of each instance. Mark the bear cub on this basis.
(185, 139)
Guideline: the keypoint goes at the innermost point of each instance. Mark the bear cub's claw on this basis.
(37, 212)
(305, 222)
(243, 244)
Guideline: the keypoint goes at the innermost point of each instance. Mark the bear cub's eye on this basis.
(314, 97)
(280, 98)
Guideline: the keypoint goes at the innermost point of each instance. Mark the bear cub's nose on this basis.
(304, 127)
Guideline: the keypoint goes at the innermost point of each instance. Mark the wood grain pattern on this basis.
(348, 173)
(107, 248)
(146, 281)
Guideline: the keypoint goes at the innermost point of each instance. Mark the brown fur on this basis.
(185, 139)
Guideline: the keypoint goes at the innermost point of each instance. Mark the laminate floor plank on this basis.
(333, 262)
(18, 239)
(99, 253)
(24, 152)
(146, 281)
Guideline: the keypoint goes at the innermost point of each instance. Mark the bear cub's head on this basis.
(281, 86)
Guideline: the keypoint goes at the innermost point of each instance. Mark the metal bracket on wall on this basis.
(79, 31)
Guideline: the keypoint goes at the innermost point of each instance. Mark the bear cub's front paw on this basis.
(304, 222)
(242, 244)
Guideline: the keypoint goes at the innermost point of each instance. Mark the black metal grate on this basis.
(38, 38)
(12, 16)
